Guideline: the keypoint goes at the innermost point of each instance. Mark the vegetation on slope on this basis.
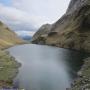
(72, 30)
(8, 69)
(7, 37)
(8, 65)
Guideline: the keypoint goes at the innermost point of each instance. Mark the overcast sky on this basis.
(33, 12)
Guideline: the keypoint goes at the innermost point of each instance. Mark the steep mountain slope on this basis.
(41, 33)
(72, 30)
(7, 37)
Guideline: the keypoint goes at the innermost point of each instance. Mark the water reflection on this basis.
(45, 67)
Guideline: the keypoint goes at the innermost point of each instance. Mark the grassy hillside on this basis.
(7, 37)
(8, 65)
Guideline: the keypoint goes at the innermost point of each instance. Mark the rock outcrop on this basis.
(72, 30)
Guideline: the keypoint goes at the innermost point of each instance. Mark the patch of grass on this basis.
(8, 67)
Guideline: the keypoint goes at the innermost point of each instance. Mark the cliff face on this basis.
(72, 30)
(7, 37)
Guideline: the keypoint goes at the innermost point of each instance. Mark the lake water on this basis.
(45, 67)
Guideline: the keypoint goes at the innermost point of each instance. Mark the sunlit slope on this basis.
(7, 37)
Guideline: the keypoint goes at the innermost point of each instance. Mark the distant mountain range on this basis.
(26, 38)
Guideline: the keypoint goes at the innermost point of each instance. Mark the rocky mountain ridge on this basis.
(71, 30)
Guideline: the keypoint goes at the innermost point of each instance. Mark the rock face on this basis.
(7, 37)
(72, 30)
(41, 34)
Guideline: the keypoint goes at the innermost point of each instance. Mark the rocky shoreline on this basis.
(82, 82)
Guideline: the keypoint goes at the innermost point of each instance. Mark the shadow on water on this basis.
(45, 67)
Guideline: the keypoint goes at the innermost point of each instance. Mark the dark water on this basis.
(45, 67)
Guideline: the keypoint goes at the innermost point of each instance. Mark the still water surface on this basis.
(45, 67)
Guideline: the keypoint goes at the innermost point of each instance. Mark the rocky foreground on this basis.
(82, 82)
(71, 31)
